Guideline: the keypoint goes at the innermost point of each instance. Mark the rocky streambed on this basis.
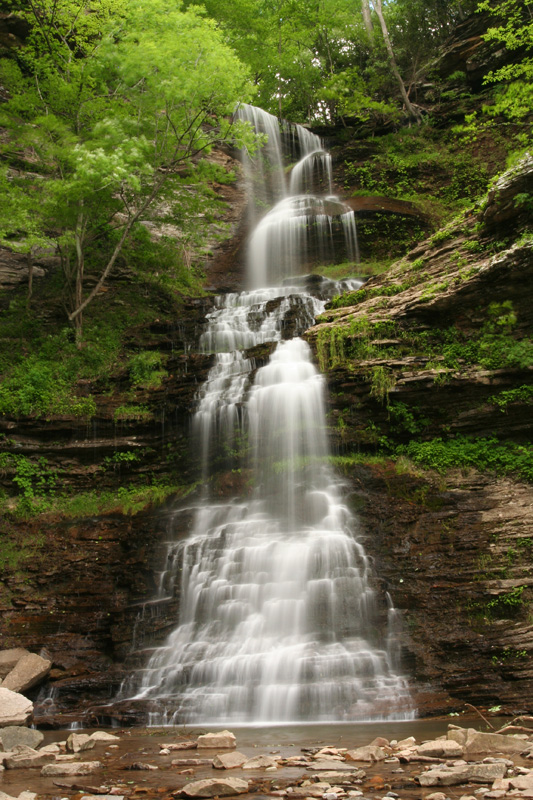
(150, 763)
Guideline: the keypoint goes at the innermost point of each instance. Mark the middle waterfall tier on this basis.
(279, 620)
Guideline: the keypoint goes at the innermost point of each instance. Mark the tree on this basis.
(515, 32)
(412, 111)
(117, 111)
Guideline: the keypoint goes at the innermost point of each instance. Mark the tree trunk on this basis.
(367, 19)
(411, 110)
(80, 269)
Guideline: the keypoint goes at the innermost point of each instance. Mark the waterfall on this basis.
(279, 620)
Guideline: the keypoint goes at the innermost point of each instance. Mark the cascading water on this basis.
(278, 619)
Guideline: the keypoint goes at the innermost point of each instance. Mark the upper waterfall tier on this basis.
(306, 225)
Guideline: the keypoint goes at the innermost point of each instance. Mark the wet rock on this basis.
(440, 748)
(522, 782)
(225, 740)
(9, 658)
(103, 736)
(317, 790)
(78, 742)
(478, 742)
(229, 760)
(26, 758)
(260, 762)
(180, 746)
(64, 770)
(190, 762)
(142, 766)
(51, 748)
(435, 796)
(27, 672)
(215, 787)
(14, 708)
(369, 753)
(333, 777)
(452, 776)
(14, 735)
(328, 766)
(379, 741)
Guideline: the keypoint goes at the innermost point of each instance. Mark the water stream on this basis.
(279, 620)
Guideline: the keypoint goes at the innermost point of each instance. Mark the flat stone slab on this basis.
(441, 748)
(337, 766)
(260, 762)
(215, 787)
(104, 736)
(15, 709)
(69, 770)
(453, 776)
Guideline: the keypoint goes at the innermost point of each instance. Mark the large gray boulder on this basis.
(9, 658)
(15, 735)
(27, 672)
(14, 708)
(215, 787)
(492, 743)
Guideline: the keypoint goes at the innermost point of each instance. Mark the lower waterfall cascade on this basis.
(279, 620)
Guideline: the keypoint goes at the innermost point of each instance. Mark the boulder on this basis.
(316, 790)
(26, 758)
(370, 753)
(191, 762)
(477, 742)
(179, 746)
(14, 708)
(28, 671)
(78, 742)
(9, 658)
(459, 735)
(104, 736)
(225, 740)
(215, 787)
(15, 734)
(522, 781)
(4, 796)
(229, 760)
(70, 770)
(452, 776)
(440, 748)
(261, 762)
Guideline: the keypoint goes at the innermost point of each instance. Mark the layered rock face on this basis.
(455, 549)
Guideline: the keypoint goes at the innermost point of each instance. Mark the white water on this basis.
(278, 618)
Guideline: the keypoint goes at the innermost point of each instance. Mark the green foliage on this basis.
(518, 395)
(132, 411)
(488, 455)
(505, 604)
(146, 369)
(35, 481)
(382, 381)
